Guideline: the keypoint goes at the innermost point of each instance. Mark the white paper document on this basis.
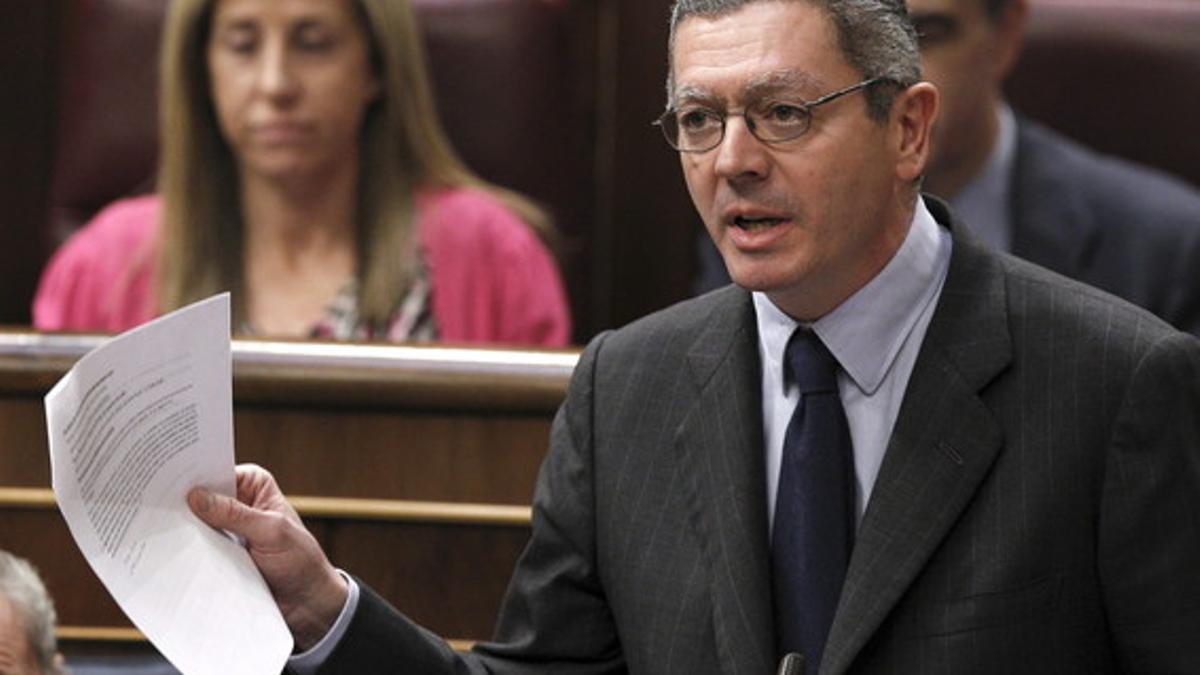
(133, 426)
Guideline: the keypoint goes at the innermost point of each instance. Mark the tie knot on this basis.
(809, 364)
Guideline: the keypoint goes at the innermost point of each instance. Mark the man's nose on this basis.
(740, 156)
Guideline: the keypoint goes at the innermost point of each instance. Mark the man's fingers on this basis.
(308, 590)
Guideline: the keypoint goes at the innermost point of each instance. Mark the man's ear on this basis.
(913, 113)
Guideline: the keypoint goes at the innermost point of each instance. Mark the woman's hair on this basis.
(402, 149)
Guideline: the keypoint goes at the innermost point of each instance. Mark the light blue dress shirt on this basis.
(875, 336)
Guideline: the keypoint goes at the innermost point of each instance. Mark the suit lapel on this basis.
(721, 449)
(943, 444)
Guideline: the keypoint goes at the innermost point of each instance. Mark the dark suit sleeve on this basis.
(1150, 519)
(555, 618)
(382, 640)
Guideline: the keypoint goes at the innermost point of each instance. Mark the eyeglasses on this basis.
(700, 129)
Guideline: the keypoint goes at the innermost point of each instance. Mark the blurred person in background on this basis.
(303, 168)
(1028, 190)
(27, 619)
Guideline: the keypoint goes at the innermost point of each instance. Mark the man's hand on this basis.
(309, 591)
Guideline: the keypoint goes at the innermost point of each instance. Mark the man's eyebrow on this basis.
(791, 81)
(687, 93)
(788, 80)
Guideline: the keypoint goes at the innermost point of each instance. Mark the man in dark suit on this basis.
(1016, 455)
(1026, 189)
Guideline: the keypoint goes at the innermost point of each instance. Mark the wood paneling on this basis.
(372, 421)
(413, 466)
(652, 237)
(448, 576)
(28, 29)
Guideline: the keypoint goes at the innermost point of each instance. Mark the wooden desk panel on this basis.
(379, 454)
(24, 455)
(450, 577)
(395, 455)
(452, 427)
(368, 421)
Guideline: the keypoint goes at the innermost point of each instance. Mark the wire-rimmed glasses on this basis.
(695, 128)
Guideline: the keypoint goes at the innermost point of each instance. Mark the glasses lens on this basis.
(692, 130)
(780, 121)
(670, 129)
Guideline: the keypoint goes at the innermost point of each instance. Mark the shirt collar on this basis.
(866, 331)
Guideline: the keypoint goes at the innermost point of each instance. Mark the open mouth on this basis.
(752, 224)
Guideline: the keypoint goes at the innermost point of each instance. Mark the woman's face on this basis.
(290, 82)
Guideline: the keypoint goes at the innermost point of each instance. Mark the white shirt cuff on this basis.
(307, 663)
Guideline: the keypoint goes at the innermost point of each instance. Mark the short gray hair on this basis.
(876, 38)
(21, 586)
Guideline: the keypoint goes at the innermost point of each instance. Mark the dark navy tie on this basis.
(814, 506)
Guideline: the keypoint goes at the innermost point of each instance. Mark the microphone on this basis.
(792, 664)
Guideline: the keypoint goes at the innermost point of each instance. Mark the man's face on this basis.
(809, 221)
(967, 55)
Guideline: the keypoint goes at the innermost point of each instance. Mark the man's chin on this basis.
(753, 282)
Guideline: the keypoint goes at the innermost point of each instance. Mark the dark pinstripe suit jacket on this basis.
(1038, 509)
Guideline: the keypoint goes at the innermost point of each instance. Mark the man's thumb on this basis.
(218, 510)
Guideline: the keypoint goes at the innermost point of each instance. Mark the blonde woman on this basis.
(303, 168)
